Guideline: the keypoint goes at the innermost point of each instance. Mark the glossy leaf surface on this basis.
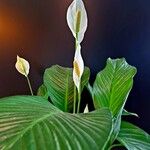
(29, 123)
(60, 85)
(133, 138)
(113, 84)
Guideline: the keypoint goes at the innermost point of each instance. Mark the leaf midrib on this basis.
(111, 86)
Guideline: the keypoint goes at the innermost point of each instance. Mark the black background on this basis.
(37, 30)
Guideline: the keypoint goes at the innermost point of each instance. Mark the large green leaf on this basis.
(133, 138)
(31, 123)
(113, 84)
(60, 86)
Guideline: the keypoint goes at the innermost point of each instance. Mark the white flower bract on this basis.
(76, 12)
(86, 110)
(78, 67)
(22, 66)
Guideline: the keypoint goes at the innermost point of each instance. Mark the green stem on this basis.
(29, 83)
(79, 99)
(74, 103)
(75, 97)
(76, 43)
(115, 145)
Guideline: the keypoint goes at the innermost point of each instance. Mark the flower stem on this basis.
(79, 99)
(74, 103)
(29, 83)
(75, 97)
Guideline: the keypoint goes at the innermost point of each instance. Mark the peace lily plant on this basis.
(53, 120)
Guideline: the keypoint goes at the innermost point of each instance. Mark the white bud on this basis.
(22, 66)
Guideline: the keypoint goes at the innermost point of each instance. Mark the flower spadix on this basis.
(77, 19)
(22, 66)
(78, 67)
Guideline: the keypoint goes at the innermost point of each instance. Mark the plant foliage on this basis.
(59, 83)
(53, 121)
(30, 122)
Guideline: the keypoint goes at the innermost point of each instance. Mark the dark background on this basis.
(37, 30)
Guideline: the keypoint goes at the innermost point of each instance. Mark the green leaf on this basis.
(60, 86)
(133, 138)
(42, 91)
(113, 84)
(29, 123)
(126, 113)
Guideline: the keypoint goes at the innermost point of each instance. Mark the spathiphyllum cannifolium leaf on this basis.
(111, 89)
(22, 66)
(77, 19)
(113, 84)
(133, 138)
(31, 123)
(60, 86)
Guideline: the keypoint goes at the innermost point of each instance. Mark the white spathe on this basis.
(22, 66)
(75, 7)
(78, 67)
(86, 110)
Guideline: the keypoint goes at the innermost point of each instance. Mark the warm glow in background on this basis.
(37, 30)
